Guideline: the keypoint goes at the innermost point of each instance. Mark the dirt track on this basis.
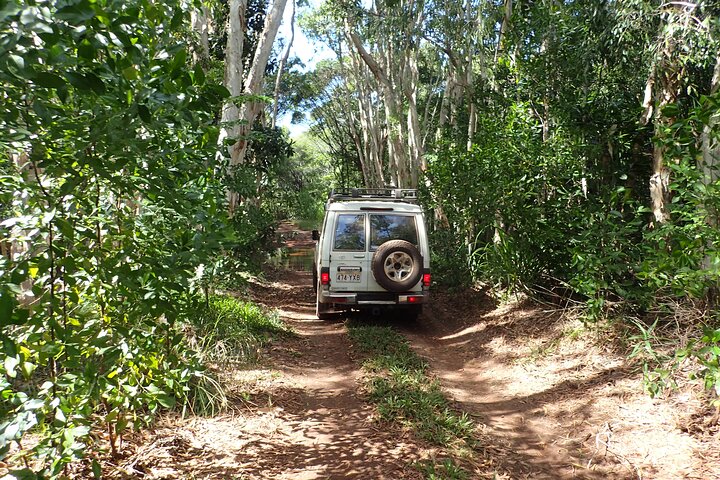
(550, 403)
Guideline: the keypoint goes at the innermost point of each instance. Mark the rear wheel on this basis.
(322, 310)
(315, 279)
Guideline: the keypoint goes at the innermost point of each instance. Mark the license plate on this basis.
(344, 277)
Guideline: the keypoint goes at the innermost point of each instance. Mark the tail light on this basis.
(415, 299)
(325, 276)
(426, 279)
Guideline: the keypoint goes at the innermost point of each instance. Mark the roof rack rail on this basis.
(387, 194)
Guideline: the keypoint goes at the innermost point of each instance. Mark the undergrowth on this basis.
(129, 375)
(397, 382)
(229, 329)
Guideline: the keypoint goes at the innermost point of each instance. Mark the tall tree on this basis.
(238, 121)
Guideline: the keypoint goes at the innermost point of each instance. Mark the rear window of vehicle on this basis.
(350, 233)
(392, 227)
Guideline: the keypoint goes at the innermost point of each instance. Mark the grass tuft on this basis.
(397, 382)
(447, 470)
(232, 330)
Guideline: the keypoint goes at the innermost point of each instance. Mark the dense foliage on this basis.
(110, 214)
(568, 149)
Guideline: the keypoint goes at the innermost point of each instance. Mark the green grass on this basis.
(228, 329)
(397, 382)
(447, 470)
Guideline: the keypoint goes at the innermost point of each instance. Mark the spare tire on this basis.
(397, 265)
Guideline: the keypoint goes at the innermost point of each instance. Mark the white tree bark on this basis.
(247, 113)
(233, 69)
(507, 15)
(710, 142)
(281, 67)
(369, 124)
(397, 76)
(663, 88)
(710, 161)
(256, 75)
(396, 146)
(200, 21)
(415, 142)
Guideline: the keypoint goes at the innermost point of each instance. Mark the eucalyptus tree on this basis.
(393, 32)
(241, 111)
(281, 67)
(687, 38)
(347, 109)
(464, 34)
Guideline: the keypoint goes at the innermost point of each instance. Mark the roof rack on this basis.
(383, 194)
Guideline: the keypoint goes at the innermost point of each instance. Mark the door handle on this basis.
(359, 256)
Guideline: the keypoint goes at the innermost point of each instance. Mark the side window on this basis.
(350, 233)
(392, 227)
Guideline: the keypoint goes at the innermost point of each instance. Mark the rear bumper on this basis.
(379, 298)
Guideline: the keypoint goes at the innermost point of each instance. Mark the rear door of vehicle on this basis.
(385, 225)
(349, 264)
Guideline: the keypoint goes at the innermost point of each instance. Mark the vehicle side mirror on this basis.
(315, 235)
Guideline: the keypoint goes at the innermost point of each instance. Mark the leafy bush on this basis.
(512, 200)
(450, 263)
(111, 207)
(707, 353)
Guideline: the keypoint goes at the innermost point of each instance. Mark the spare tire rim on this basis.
(398, 266)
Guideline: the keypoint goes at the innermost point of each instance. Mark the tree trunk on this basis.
(417, 159)
(281, 67)
(253, 84)
(503, 28)
(396, 143)
(369, 125)
(661, 90)
(233, 68)
(256, 75)
(200, 21)
(444, 115)
(710, 161)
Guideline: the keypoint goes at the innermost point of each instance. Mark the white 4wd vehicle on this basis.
(372, 253)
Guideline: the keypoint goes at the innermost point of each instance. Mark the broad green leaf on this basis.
(177, 19)
(65, 228)
(33, 404)
(178, 61)
(76, 14)
(27, 369)
(9, 347)
(17, 60)
(166, 401)
(130, 73)
(86, 50)
(198, 75)
(7, 305)
(10, 364)
(144, 113)
(96, 469)
(86, 82)
(22, 474)
(8, 9)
